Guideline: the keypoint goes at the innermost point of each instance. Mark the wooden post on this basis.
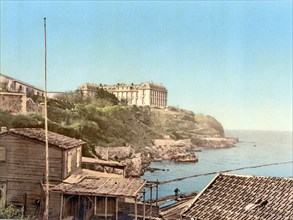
(106, 204)
(95, 205)
(157, 192)
(135, 207)
(61, 207)
(24, 208)
(78, 205)
(116, 209)
(46, 212)
(151, 202)
(143, 204)
(64, 205)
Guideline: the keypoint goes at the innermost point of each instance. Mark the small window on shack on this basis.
(2, 154)
(78, 157)
(69, 159)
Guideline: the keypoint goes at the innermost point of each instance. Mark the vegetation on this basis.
(10, 212)
(102, 120)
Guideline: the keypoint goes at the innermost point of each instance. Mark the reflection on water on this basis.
(255, 148)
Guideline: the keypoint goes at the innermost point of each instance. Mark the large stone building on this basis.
(9, 84)
(148, 93)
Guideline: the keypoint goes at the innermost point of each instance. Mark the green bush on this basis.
(10, 212)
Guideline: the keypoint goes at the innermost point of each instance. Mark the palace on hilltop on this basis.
(144, 94)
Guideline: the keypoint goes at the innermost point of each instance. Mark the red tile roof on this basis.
(231, 196)
(55, 139)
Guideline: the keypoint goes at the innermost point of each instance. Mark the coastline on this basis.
(180, 151)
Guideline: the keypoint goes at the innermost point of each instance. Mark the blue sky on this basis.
(228, 59)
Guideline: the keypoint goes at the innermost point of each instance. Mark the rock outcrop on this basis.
(117, 153)
(219, 142)
(184, 158)
(133, 161)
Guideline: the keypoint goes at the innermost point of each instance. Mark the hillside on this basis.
(105, 122)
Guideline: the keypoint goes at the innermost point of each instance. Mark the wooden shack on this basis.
(96, 195)
(22, 168)
(75, 193)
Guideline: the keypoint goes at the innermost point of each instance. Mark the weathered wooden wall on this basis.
(74, 166)
(127, 208)
(24, 170)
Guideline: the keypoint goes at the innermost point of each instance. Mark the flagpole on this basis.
(46, 212)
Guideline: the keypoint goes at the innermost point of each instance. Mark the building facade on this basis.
(9, 84)
(144, 94)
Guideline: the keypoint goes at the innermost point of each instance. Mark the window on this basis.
(78, 157)
(69, 159)
(2, 153)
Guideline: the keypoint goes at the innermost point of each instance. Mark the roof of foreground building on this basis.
(93, 183)
(230, 196)
(38, 134)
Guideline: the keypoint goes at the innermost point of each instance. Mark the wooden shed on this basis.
(22, 168)
(96, 195)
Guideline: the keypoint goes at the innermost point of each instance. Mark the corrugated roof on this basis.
(102, 186)
(231, 196)
(55, 139)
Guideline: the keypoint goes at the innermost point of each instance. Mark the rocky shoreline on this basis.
(163, 149)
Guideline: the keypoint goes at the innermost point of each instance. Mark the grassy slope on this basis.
(102, 122)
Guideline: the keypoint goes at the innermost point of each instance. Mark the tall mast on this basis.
(46, 213)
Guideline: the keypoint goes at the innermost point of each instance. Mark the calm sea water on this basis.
(254, 148)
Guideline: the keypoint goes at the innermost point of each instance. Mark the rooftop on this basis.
(231, 196)
(38, 134)
(100, 184)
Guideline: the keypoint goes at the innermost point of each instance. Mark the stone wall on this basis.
(13, 102)
(18, 103)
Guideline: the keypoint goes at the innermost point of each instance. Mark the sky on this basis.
(228, 59)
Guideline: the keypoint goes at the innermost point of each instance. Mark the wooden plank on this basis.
(135, 208)
(106, 206)
(151, 200)
(61, 207)
(95, 205)
(144, 205)
(116, 208)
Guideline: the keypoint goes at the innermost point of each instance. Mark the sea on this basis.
(254, 148)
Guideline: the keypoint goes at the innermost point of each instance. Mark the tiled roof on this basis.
(231, 196)
(102, 185)
(55, 139)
